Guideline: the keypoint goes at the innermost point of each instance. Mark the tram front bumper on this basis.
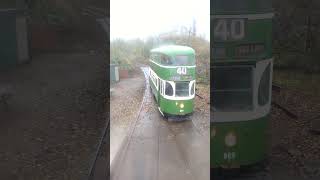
(177, 107)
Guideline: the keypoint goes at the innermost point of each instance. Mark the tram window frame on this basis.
(250, 100)
(186, 91)
(152, 57)
(187, 60)
(160, 86)
(192, 88)
(264, 86)
(165, 59)
(166, 88)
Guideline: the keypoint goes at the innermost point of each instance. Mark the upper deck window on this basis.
(182, 60)
(165, 60)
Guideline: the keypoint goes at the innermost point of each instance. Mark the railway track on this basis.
(277, 88)
(98, 151)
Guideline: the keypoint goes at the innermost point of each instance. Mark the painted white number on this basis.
(229, 155)
(182, 70)
(229, 29)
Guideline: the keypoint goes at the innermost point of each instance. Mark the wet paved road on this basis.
(156, 149)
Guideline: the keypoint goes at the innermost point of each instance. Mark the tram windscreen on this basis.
(232, 88)
(242, 5)
(182, 89)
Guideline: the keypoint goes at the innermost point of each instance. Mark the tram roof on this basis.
(173, 50)
(240, 7)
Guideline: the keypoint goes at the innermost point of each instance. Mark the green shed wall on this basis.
(8, 43)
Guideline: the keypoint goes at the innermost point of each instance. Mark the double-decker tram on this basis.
(241, 72)
(172, 79)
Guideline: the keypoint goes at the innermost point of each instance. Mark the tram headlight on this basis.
(230, 139)
(181, 105)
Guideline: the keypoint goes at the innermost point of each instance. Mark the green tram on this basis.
(242, 63)
(172, 78)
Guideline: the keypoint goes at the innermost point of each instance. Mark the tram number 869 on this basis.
(229, 29)
(229, 155)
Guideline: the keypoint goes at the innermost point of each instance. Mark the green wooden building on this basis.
(14, 44)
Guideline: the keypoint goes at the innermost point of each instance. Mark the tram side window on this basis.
(166, 60)
(153, 78)
(160, 86)
(264, 87)
(169, 89)
(152, 57)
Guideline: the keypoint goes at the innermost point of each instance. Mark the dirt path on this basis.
(55, 118)
(293, 145)
(125, 100)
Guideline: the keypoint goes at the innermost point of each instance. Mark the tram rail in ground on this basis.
(277, 88)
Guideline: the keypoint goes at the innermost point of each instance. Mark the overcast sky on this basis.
(142, 18)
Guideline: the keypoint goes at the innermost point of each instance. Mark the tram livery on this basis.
(172, 79)
(242, 63)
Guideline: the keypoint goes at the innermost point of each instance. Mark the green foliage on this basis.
(128, 53)
(296, 41)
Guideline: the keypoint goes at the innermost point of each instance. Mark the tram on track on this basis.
(172, 79)
(241, 73)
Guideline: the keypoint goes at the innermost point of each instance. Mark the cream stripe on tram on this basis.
(171, 66)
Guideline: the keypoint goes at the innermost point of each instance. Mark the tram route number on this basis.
(182, 70)
(229, 29)
(229, 155)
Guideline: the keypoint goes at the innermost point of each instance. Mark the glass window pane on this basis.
(232, 101)
(192, 89)
(264, 87)
(169, 89)
(182, 60)
(232, 88)
(232, 78)
(182, 89)
(166, 60)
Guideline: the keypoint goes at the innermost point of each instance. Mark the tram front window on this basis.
(182, 89)
(232, 88)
